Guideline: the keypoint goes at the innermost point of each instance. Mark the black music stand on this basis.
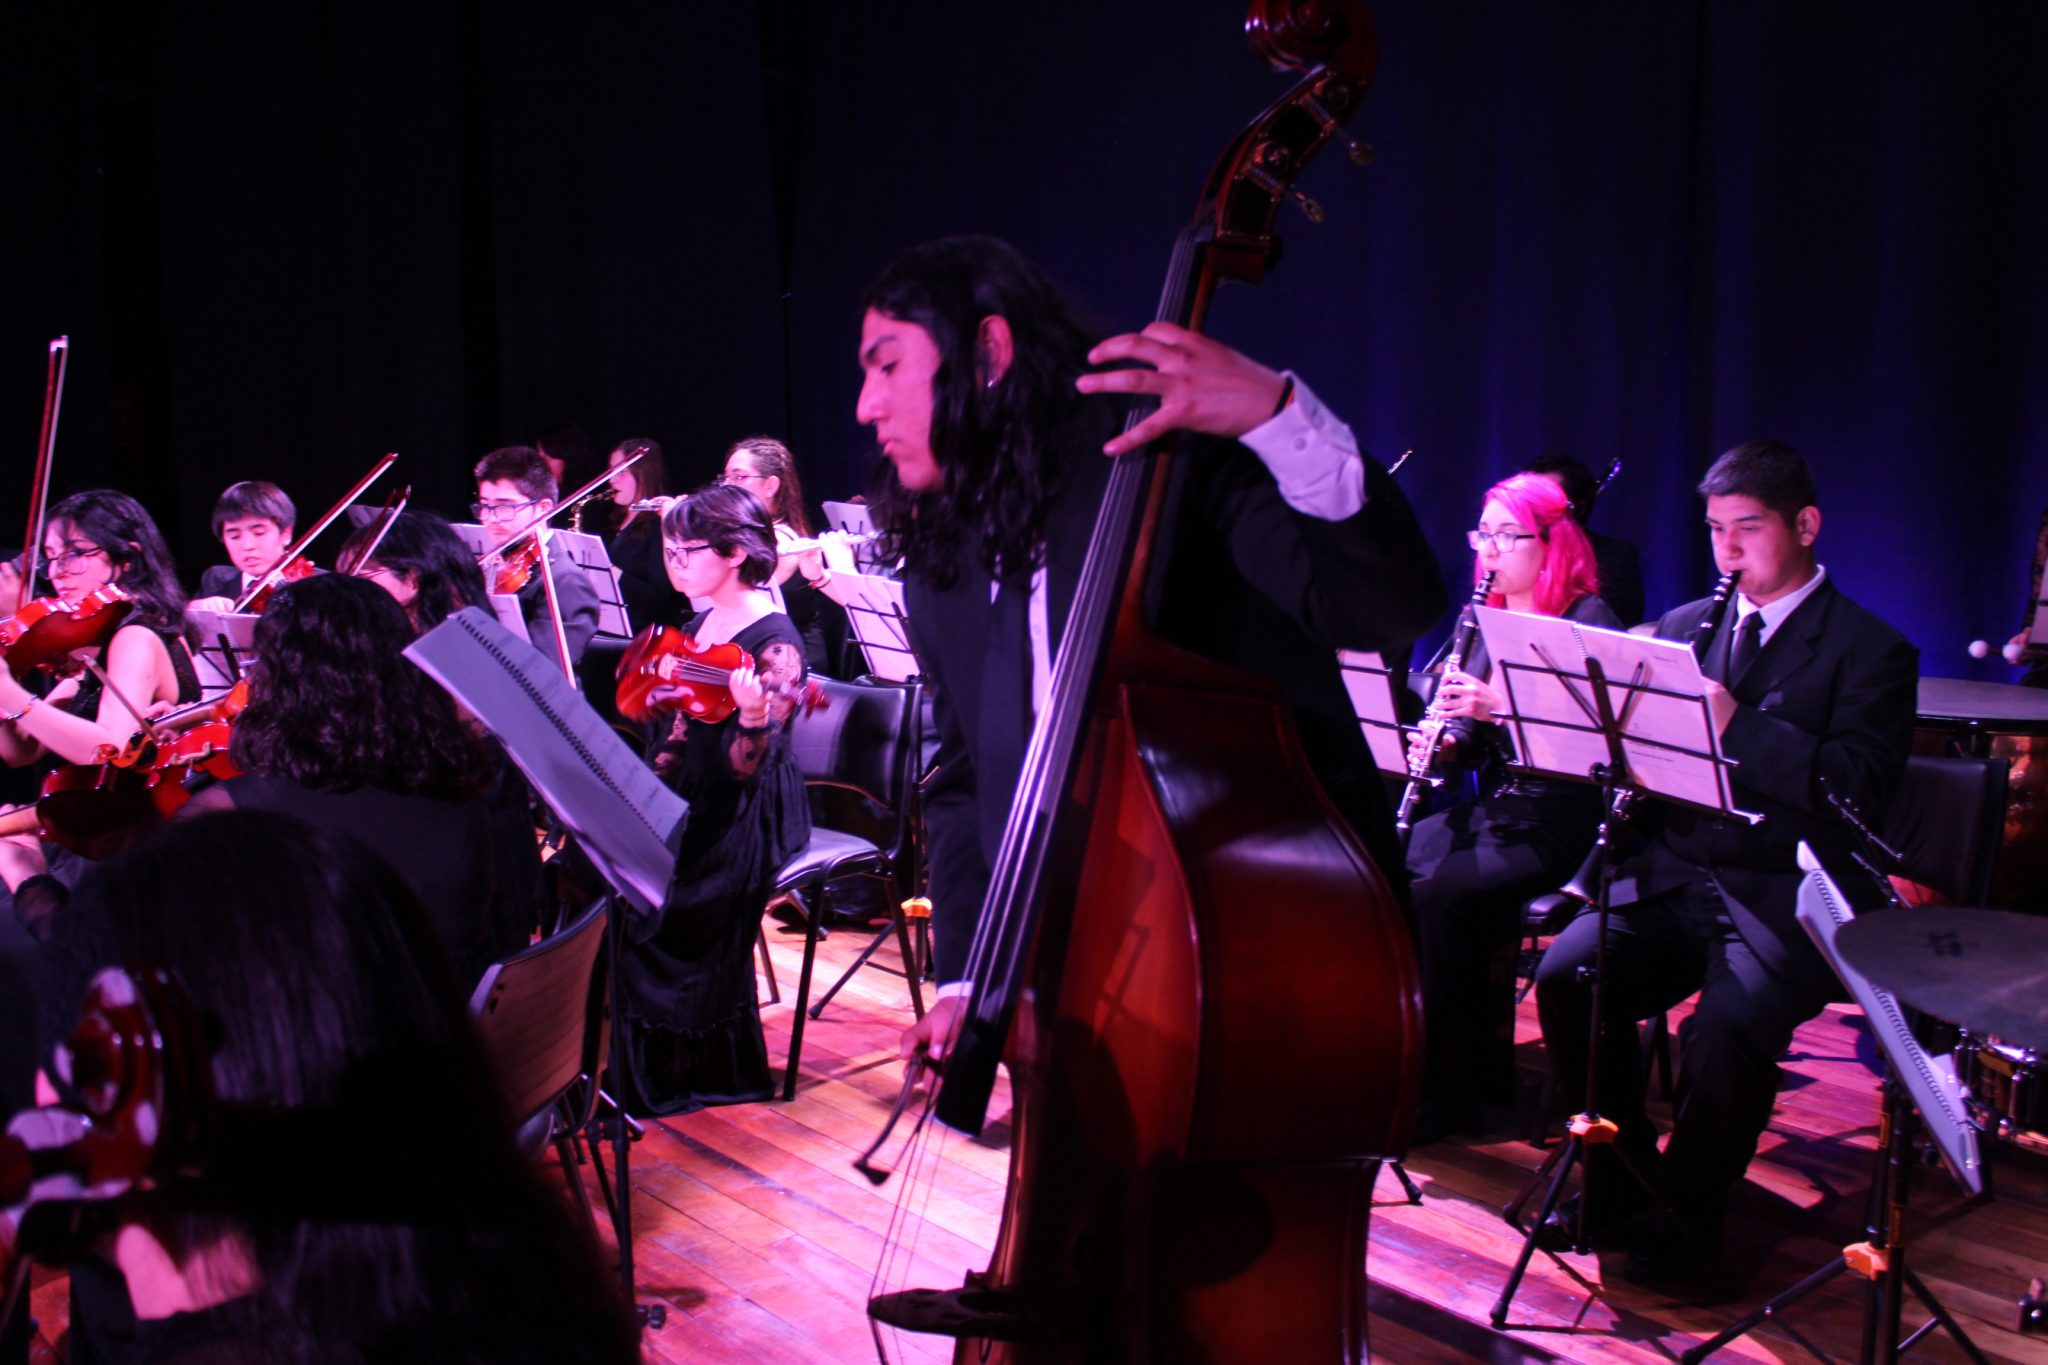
(1569, 718)
(874, 610)
(626, 822)
(1917, 1086)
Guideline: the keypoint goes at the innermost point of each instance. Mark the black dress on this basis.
(691, 1023)
(1474, 866)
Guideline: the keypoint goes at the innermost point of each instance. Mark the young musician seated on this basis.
(690, 1030)
(1475, 864)
(253, 521)
(1804, 686)
(343, 731)
(1621, 567)
(635, 544)
(513, 486)
(307, 1229)
(765, 467)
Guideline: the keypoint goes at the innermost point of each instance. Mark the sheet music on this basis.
(874, 608)
(1668, 737)
(624, 818)
(1375, 699)
(218, 665)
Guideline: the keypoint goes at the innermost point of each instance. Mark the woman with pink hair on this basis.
(1475, 864)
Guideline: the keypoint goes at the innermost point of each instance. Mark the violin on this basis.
(291, 572)
(44, 633)
(516, 566)
(704, 688)
(138, 1109)
(96, 809)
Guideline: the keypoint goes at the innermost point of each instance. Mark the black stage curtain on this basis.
(286, 240)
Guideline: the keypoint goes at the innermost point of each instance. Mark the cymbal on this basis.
(1986, 970)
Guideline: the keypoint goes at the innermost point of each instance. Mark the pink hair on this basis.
(1569, 572)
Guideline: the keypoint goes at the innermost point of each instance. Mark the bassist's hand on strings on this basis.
(933, 1035)
(1202, 385)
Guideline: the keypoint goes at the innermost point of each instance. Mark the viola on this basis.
(45, 632)
(703, 689)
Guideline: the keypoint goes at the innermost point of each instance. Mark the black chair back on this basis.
(1946, 821)
(534, 1010)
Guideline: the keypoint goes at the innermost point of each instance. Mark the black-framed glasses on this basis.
(679, 555)
(1502, 541)
(58, 563)
(500, 511)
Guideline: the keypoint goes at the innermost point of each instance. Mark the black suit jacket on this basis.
(221, 580)
(578, 602)
(1832, 694)
(1243, 578)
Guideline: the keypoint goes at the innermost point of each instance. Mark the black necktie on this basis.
(1749, 638)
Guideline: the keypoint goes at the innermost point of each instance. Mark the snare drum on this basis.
(1993, 720)
(2005, 1089)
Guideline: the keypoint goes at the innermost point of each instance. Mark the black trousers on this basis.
(1659, 951)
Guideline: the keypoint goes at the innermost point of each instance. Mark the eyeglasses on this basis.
(737, 475)
(500, 511)
(679, 555)
(59, 563)
(1503, 542)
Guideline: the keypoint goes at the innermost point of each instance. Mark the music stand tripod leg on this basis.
(1588, 1128)
(1880, 1258)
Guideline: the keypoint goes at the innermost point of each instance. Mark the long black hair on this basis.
(999, 446)
(141, 562)
(443, 569)
(333, 1022)
(335, 706)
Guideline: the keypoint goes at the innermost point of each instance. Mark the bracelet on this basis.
(762, 728)
(31, 704)
(824, 577)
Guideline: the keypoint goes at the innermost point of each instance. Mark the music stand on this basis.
(588, 553)
(874, 609)
(1572, 715)
(1375, 691)
(1918, 1084)
(625, 820)
(227, 646)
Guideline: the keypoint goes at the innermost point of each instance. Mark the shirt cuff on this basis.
(949, 989)
(1313, 456)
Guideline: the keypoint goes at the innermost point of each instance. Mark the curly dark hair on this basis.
(726, 517)
(335, 706)
(136, 552)
(443, 570)
(328, 1007)
(523, 468)
(999, 446)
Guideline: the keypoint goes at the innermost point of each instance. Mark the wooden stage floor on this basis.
(755, 1231)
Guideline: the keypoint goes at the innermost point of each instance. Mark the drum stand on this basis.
(1880, 1258)
(1587, 1128)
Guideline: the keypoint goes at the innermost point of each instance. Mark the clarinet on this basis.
(1422, 763)
(1701, 640)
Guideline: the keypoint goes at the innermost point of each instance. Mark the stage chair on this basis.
(540, 1014)
(865, 739)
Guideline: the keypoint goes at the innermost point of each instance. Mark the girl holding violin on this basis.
(93, 540)
(1475, 864)
(692, 1027)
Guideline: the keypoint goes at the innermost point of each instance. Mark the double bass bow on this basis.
(1183, 945)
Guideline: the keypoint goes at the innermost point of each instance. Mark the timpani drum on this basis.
(1994, 720)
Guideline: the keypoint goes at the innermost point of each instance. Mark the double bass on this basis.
(1203, 987)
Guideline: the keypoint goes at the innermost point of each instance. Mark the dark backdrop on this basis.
(286, 239)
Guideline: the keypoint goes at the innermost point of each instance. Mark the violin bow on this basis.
(534, 523)
(298, 546)
(142, 722)
(386, 517)
(39, 490)
(547, 585)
